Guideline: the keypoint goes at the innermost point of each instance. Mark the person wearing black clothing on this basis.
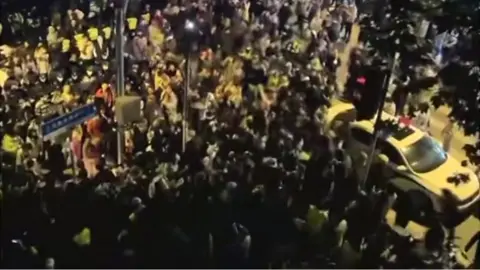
(345, 187)
(54, 159)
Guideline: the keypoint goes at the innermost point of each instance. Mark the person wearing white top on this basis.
(422, 118)
(389, 107)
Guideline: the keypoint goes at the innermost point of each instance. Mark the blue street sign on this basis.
(58, 125)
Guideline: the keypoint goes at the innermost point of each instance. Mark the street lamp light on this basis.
(190, 26)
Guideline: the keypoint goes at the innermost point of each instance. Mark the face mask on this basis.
(171, 72)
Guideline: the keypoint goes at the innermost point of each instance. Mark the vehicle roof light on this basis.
(361, 80)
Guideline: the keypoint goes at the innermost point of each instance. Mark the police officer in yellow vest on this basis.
(100, 49)
(107, 33)
(11, 144)
(85, 48)
(132, 24)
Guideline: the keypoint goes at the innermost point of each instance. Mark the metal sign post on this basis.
(120, 10)
(185, 104)
(377, 131)
(191, 32)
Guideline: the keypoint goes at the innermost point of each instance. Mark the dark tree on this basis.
(398, 26)
(461, 76)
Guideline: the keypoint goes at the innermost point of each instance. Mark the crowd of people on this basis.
(260, 183)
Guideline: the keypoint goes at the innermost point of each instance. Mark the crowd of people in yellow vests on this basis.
(92, 48)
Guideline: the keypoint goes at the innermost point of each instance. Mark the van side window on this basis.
(361, 136)
(392, 153)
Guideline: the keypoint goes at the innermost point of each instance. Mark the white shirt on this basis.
(421, 120)
(389, 108)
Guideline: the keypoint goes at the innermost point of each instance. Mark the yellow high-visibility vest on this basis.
(3, 77)
(81, 41)
(132, 23)
(10, 144)
(146, 17)
(87, 51)
(316, 65)
(65, 45)
(160, 81)
(83, 238)
(156, 36)
(93, 33)
(107, 32)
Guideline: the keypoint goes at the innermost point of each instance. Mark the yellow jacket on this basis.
(169, 100)
(42, 58)
(52, 36)
(3, 77)
(316, 64)
(147, 17)
(65, 45)
(156, 35)
(107, 32)
(161, 81)
(247, 53)
(273, 82)
(230, 91)
(132, 23)
(80, 41)
(10, 144)
(67, 95)
(93, 33)
(87, 52)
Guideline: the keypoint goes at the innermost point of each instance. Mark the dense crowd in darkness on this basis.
(260, 184)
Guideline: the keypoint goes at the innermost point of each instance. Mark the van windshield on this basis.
(425, 155)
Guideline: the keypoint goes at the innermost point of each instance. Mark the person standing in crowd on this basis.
(11, 144)
(422, 118)
(106, 96)
(349, 9)
(91, 155)
(76, 144)
(447, 134)
(389, 105)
